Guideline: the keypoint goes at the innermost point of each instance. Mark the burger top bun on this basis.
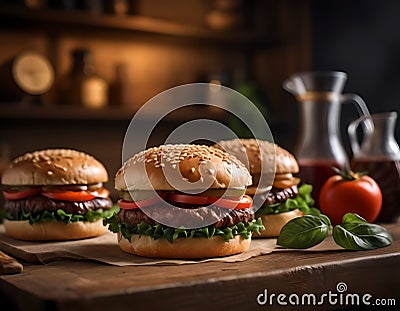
(254, 152)
(186, 167)
(54, 167)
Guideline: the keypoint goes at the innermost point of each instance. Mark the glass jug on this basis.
(379, 156)
(319, 145)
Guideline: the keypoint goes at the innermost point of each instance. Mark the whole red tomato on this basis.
(350, 193)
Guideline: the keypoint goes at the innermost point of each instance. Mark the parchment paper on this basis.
(106, 250)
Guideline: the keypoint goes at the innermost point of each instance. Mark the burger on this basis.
(285, 199)
(55, 194)
(183, 201)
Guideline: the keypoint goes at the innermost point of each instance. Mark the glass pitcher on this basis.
(319, 145)
(379, 156)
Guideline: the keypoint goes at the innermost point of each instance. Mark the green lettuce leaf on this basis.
(303, 201)
(171, 234)
(61, 215)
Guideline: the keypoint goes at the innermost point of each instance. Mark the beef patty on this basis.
(217, 216)
(276, 195)
(39, 203)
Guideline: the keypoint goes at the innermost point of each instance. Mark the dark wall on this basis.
(362, 38)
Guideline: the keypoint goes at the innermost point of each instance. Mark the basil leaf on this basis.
(361, 235)
(350, 218)
(313, 211)
(325, 219)
(304, 232)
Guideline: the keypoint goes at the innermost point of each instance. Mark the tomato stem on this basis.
(347, 173)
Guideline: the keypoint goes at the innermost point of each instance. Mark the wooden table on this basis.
(83, 285)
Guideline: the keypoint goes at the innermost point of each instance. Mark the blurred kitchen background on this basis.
(73, 73)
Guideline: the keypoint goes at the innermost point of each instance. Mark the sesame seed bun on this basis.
(187, 167)
(58, 168)
(257, 153)
(185, 248)
(54, 167)
(254, 152)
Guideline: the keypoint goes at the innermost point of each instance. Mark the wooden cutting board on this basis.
(9, 265)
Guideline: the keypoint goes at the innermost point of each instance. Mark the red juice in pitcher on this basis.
(386, 173)
(316, 172)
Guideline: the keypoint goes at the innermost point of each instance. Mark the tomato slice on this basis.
(78, 196)
(17, 195)
(65, 195)
(242, 202)
(189, 199)
(138, 204)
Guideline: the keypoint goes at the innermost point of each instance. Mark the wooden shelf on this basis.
(65, 21)
(32, 112)
(22, 112)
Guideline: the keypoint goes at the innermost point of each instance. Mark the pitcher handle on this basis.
(360, 104)
(363, 111)
(352, 132)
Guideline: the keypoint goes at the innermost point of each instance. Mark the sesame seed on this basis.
(60, 167)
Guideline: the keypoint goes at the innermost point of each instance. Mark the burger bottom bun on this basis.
(53, 230)
(273, 223)
(190, 248)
